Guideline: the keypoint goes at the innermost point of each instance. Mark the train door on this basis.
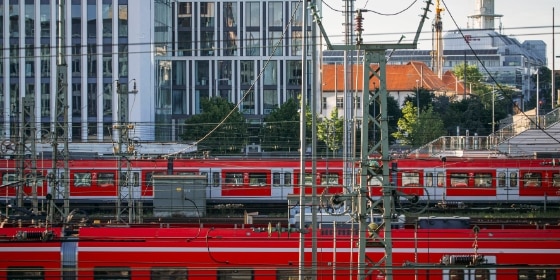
(214, 179)
(130, 185)
(462, 271)
(282, 183)
(507, 184)
(434, 183)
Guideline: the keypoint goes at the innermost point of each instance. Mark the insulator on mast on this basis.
(359, 27)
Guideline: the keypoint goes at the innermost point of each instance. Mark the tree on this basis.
(220, 128)
(281, 128)
(418, 131)
(427, 128)
(405, 123)
(473, 80)
(330, 130)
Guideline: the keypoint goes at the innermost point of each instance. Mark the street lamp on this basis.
(417, 99)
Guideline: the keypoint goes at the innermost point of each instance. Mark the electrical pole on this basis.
(373, 54)
(123, 151)
(59, 181)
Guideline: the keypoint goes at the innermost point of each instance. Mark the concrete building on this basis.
(499, 57)
(161, 56)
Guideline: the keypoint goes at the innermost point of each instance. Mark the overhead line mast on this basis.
(373, 54)
(59, 181)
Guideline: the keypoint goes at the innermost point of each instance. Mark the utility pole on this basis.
(123, 151)
(59, 181)
(373, 54)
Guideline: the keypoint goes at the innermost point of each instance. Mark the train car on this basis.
(271, 181)
(475, 180)
(274, 253)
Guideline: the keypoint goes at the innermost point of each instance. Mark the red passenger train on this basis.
(245, 253)
(270, 181)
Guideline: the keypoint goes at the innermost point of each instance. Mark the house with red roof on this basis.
(402, 81)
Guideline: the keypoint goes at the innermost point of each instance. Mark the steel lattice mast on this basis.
(59, 182)
(373, 54)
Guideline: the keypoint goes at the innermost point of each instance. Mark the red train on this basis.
(269, 181)
(273, 253)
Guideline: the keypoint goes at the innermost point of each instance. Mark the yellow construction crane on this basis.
(437, 48)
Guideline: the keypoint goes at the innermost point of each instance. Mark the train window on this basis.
(434, 179)
(257, 179)
(459, 179)
(235, 179)
(276, 179)
(534, 274)
(105, 179)
(237, 274)
(216, 179)
(501, 181)
(532, 180)
(82, 179)
(29, 180)
(556, 180)
(288, 178)
(9, 178)
(308, 179)
(482, 274)
(329, 179)
(25, 273)
(168, 273)
(456, 274)
(513, 180)
(291, 275)
(483, 180)
(375, 181)
(410, 179)
(133, 180)
(187, 173)
(112, 273)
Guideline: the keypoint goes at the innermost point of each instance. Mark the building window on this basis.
(252, 44)
(92, 100)
(275, 43)
(91, 19)
(45, 100)
(324, 103)
(339, 102)
(275, 13)
(45, 20)
(123, 21)
(252, 14)
(207, 14)
(271, 73)
(76, 15)
(270, 100)
(297, 46)
(107, 20)
(247, 72)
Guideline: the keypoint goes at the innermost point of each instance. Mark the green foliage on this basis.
(418, 131)
(473, 79)
(213, 134)
(281, 128)
(405, 123)
(330, 131)
(428, 128)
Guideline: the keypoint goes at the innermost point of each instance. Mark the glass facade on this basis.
(197, 50)
(89, 58)
(225, 50)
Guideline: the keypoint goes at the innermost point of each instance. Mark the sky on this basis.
(521, 19)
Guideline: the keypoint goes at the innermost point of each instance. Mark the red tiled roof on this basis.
(399, 78)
